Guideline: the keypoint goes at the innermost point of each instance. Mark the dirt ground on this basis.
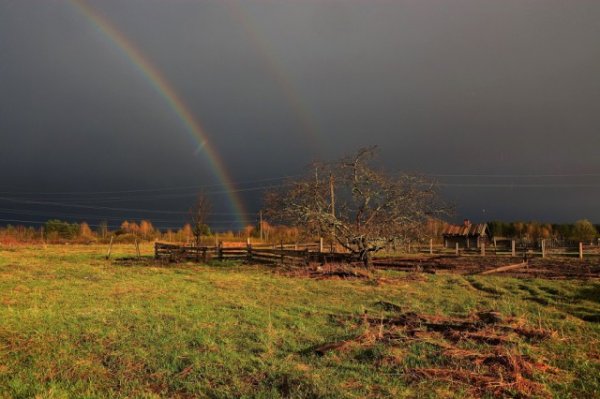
(551, 268)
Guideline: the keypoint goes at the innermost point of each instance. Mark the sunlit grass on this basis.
(73, 324)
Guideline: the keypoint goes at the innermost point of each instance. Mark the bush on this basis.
(59, 229)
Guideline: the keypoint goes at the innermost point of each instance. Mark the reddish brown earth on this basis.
(551, 268)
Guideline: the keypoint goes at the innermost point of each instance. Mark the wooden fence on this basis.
(303, 254)
(513, 248)
(285, 254)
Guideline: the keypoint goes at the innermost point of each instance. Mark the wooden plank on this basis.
(505, 268)
(279, 252)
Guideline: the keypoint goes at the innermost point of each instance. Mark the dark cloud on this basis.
(444, 87)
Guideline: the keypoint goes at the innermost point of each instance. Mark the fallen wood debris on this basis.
(505, 268)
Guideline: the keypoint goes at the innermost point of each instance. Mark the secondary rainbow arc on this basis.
(278, 73)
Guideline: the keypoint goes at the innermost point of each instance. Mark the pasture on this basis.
(73, 324)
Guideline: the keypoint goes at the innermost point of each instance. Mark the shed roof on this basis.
(473, 230)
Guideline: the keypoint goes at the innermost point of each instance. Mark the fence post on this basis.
(249, 251)
(137, 248)
(482, 248)
(282, 253)
(456, 249)
(220, 250)
(110, 247)
(580, 250)
(320, 244)
(514, 247)
(431, 246)
(543, 248)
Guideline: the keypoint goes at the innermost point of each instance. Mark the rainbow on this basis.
(166, 91)
(277, 72)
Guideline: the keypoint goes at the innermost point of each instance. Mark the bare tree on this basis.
(199, 215)
(359, 207)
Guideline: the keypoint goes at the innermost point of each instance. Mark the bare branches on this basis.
(199, 215)
(360, 208)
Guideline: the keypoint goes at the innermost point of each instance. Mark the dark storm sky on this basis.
(507, 90)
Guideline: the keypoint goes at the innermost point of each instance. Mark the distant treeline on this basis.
(582, 230)
(58, 231)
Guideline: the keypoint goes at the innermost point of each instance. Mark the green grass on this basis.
(73, 324)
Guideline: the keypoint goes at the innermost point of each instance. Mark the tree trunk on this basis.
(367, 259)
(365, 254)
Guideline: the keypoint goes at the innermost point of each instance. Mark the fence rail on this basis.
(303, 254)
(284, 254)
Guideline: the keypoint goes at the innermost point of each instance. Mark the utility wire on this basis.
(283, 177)
(70, 205)
(6, 211)
(160, 196)
(196, 187)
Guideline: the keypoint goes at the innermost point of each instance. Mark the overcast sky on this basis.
(505, 89)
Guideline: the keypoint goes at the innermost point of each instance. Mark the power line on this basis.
(90, 206)
(195, 187)
(265, 187)
(258, 188)
(166, 196)
(70, 205)
(7, 211)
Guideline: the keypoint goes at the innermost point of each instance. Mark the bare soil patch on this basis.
(550, 268)
(334, 271)
(481, 352)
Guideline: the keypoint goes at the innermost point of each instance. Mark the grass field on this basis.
(73, 324)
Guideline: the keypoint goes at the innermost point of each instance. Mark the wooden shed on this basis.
(467, 235)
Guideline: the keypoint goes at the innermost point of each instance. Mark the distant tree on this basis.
(85, 230)
(584, 230)
(519, 229)
(125, 227)
(249, 230)
(546, 231)
(199, 213)
(266, 229)
(357, 206)
(497, 228)
(130, 227)
(134, 228)
(563, 231)
(60, 229)
(186, 233)
(146, 229)
(102, 229)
